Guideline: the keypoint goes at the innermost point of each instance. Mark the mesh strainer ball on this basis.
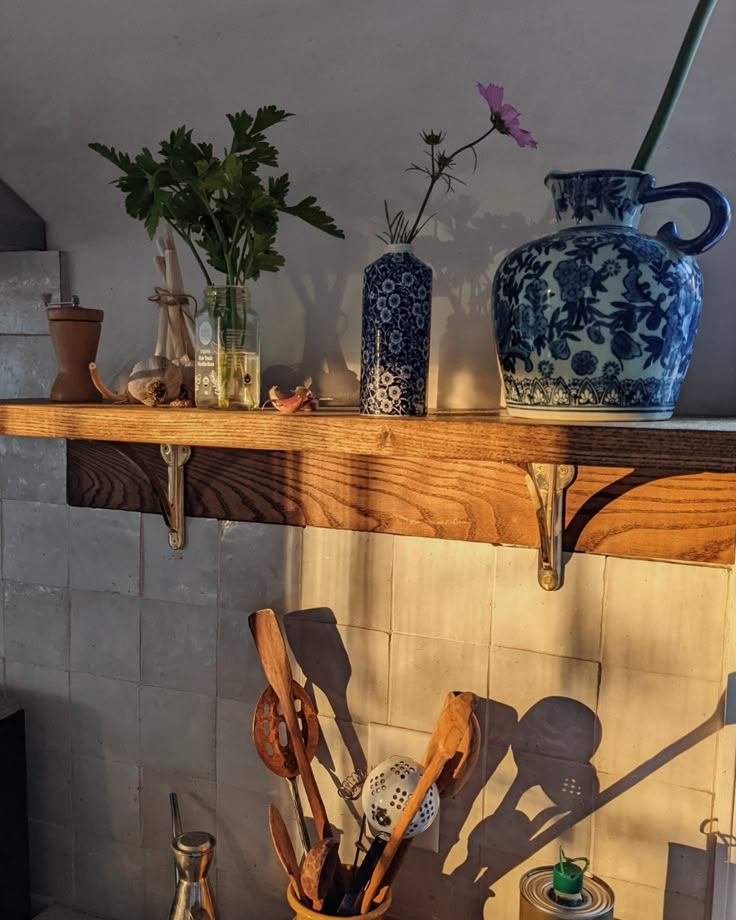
(387, 790)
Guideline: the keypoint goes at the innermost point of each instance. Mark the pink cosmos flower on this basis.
(504, 117)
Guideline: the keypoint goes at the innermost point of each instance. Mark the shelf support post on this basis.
(175, 456)
(547, 483)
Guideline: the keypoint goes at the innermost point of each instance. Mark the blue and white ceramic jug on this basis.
(596, 322)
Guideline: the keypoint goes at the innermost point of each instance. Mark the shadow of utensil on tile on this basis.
(321, 654)
(551, 746)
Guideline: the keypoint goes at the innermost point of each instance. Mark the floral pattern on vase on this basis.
(394, 355)
(598, 320)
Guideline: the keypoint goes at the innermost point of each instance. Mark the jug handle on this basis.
(720, 214)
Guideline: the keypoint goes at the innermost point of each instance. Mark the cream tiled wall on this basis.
(138, 676)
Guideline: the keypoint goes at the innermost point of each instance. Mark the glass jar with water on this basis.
(227, 373)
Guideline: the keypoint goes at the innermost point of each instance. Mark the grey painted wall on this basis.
(363, 80)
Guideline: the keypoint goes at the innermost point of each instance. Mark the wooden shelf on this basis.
(663, 490)
(686, 444)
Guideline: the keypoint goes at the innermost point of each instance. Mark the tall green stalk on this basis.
(675, 83)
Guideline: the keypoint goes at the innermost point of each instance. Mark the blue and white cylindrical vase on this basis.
(394, 352)
(596, 322)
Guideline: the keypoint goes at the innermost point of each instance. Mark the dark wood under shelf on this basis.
(664, 490)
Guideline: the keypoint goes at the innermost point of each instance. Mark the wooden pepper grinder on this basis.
(75, 334)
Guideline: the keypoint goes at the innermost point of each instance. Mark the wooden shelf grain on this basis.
(684, 444)
(663, 490)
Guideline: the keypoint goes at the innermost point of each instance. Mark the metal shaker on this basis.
(194, 853)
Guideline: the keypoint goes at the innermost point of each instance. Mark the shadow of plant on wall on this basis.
(463, 252)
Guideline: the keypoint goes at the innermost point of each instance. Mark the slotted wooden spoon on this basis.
(274, 747)
(272, 652)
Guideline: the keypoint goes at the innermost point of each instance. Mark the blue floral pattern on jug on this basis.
(394, 358)
(598, 320)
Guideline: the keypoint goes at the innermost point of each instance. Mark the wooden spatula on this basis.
(285, 849)
(451, 728)
(272, 652)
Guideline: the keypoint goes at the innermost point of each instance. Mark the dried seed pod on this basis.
(155, 381)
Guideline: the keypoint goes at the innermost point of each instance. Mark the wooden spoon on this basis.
(319, 870)
(284, 849)
(278, 754)
(272, 652)
(455, 774)
(458, 770)
(451, 728)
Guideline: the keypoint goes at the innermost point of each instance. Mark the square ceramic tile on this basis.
(642, 714)
(37, 624)
(35, 543)
(426, 887)
(188, 576)
(196, 799)
(640, 902)
(355, 685)
(245, 892)
(108, 877)
(29, 366)
(554, 701)
(105, 718)
(24, 276)
(443, 588)
(423, 671)
(105, 634)
(534, 804)
(239, 672)
(238, 763)
(649, 833)
(49, 783)
(665, 618)
(33, 469)
(106, 799)
(179, 646)
(105, 550)
(259, 566)
(178, 731)
(158, 882)
(51, 861)
(44, 695)
(349, 573)
(243, 839)
(565, 622)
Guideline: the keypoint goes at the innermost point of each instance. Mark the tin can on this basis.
(537, 900)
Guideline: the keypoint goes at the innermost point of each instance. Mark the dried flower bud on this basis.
(432, 138)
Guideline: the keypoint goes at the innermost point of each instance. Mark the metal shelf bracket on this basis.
(175, 456)
(547, 483)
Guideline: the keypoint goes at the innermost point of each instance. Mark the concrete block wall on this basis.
(139, 677)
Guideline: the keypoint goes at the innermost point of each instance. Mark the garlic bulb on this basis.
(155, 381)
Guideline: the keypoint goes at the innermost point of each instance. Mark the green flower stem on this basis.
(436, 176)
(675, 83)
